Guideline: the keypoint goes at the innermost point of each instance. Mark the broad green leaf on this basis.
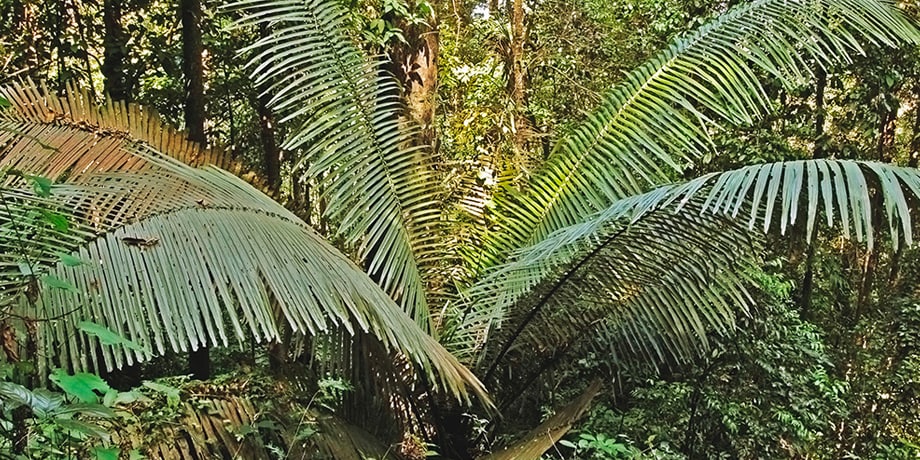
(129, 397)
(82, 430)
(40, 185)
(115, 398)
(14, 395)
(107, 453)
(58, 221)
(58, 283)
(82, 386)
(109, 399)
(86, 410)
(69, 260)
(107, 336)
(45, 401)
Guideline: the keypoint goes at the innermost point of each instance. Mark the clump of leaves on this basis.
(72, 423)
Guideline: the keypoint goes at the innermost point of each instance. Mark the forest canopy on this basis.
(503, 229)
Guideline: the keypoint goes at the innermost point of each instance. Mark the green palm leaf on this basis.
(664, 268)
(174, 257)
(660, 118)
(379, 189)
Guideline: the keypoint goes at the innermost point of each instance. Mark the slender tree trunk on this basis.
(300, 193)
(271, 154)
(114, 41)
(278, 352)
(887, 128)
(913, 151)
(915, 140)
(517, 74)
(819, 152)
(820, 115)
(199, 361)
(886, 137)
(58, 45)
(193, 69)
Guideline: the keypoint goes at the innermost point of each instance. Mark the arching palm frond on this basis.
(378, 188)
(659, 119)
(169, 256)
(664, 268)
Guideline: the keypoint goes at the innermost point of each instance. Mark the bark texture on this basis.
(415, 65)
(271, 154)
(517, 74)
(193, 69)
(114, 42)
(199, 361)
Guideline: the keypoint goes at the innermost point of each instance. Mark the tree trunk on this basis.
(820, 115)
(58, 45)
(271, 154)
(915, 140)
(517, 74)
(199, 361)
(415, 65)
(887, 129)
(300, 195)
(819, 152)
(193, 69)
(113, 65)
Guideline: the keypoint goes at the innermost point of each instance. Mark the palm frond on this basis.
(379, 189)
(669, 266)
(174, 257)
(660, 118)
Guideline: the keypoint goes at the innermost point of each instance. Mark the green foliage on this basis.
(585, 257)
(378, 22)
(60, 425)
(769, 392)
(599, 446)
(83, 386)
(107, 453)
(105, 335)
(172, 394)
(329, 393)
